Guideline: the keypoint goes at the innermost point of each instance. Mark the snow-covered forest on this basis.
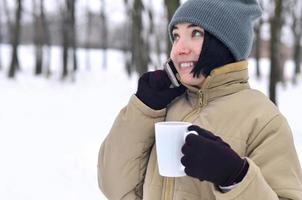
(55, 111)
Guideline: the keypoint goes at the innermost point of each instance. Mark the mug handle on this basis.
(189, 132)
(185, 135)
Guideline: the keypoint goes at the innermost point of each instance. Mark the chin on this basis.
(189, 82)
(193, 81)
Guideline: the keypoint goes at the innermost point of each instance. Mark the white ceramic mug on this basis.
(170, 137)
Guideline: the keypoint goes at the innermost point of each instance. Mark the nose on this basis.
(182, 47)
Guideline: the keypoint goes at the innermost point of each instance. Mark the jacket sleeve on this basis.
(124, 154)
(274, 170)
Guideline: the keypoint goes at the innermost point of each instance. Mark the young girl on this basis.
(244, 147)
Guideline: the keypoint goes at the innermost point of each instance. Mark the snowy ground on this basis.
(51, 131)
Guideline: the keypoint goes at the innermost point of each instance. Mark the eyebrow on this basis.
(189, 26)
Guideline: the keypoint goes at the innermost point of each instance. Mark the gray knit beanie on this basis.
(231, 21)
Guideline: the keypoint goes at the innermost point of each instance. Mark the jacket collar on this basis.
(222, 81)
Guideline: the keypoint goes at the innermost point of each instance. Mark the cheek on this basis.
(172, 53)
(197, 46)
(197, 50)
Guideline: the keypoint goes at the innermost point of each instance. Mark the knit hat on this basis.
(230, 21)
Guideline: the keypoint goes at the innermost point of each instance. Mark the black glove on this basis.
(208, 157)
(154, 89)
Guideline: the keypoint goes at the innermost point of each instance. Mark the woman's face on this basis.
(187, 43)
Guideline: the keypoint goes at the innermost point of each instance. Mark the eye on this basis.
(197, 33)
(175, 37)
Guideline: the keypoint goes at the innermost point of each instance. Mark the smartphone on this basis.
(171, 71)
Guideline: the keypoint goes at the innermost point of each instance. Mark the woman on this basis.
(244, 147)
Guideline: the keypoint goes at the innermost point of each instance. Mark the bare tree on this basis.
(71, 11)
(15, 40)
(65, 41)
(46, 40)
(140, 52)
(88, 35)
(153, 37)
(171, 6)
(69, 39)
(41, 39)
(275, 49)
(258, 42)
(136, 50)
(297, 32)
(127, 45)
(8, 17)
(9, 25)
(38, 37)
(104, 33)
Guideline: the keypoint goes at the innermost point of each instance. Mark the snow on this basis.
(51, 130)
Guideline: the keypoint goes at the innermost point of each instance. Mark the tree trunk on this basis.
(38, 38)
(258, 47)
(15, 40)
(104, 33)
(88, 35)
(139, 54)
(297, 57)
(46, 40)
(69, 39)
(65, 43)
(297, 32)
(275, 47)
(73, 36)
(171, 6)
(153, 38)
(157, 41)
(127, 45)
(9, 23)
(282, 60)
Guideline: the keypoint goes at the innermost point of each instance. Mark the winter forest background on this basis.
(68, 66)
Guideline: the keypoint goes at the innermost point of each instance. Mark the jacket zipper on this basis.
(169, 182)
(200, 104)
(168, 188)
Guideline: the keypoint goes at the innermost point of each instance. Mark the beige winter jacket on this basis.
(225, 105)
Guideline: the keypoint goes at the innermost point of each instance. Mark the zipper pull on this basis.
(200, 98)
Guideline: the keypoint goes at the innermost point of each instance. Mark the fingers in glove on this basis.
(202, 144)
(187, 161)
(203, 132)
(186, 149)
(156, 79)
(144, 78)
(192, 144)
(184, 161)
(193, 172)
(207, 134)
(174, 92)
(159, 79)
(193, 140)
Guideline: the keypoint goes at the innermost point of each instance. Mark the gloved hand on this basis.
(154, 89)
(208, 157)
